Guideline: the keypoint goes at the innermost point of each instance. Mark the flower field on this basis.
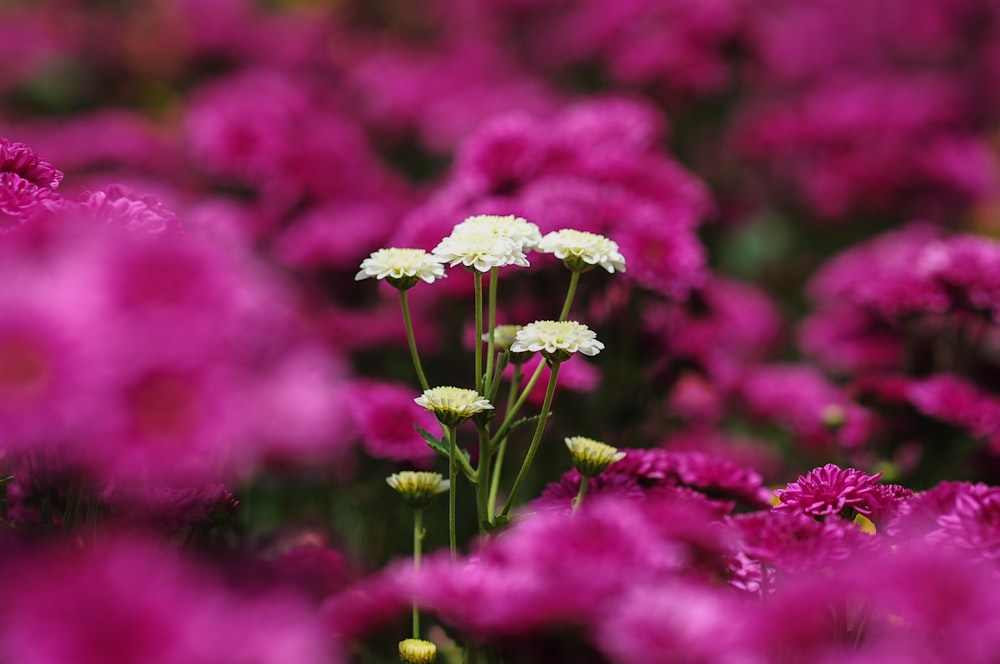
(499, 331)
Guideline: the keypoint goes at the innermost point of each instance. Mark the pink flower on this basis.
(385, 418)
(955, 400)
(128, 600)
(829, 490)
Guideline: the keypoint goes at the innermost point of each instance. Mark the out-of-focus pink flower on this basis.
(385, 417)
(292, 144)
(520, 582)
(643, 472)
(795, 543)
(955, 400)
(801, 399)
(118, 206)
(130, 601)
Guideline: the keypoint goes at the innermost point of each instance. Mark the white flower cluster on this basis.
(557, 339)
(483, 242)
(582, 251)
(453, 405)
(401, 267)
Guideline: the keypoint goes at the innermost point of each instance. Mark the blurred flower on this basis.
(384, 416)
(130, 600)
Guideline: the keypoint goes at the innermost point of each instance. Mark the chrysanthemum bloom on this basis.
(417, 488)
(829, 490)
(581, 251)
(402, 268)
(524, 233)
(591, 457)
(417, 651)
(478, 247)
(453, 405)
(503, 336)
(557, 340)
(384, 415)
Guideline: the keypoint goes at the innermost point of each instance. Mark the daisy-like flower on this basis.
(417, 651)
(503, 336)
(518, 229)
(481, 247)
(417, 488)
(581, 251)
(557, 340)
(830, 490)
(401, 267)
(453, 405)
(591, 457)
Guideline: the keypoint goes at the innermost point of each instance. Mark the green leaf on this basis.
(442, 447)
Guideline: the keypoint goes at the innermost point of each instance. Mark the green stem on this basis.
(404, 303)
(492, 306)
(498, 466)
(512, 412)
(452, 487)
(580, 494)
(533, 447)
(478, 279)
(483, 480)
(418, 536)
(73, 496)
(570, 294)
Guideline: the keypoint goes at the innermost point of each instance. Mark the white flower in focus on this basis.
(417, 487)
(518, 229)
(477, 246)
(582, 251)
(401, 267)
(557, 340)
(453, 405)
(591, 457)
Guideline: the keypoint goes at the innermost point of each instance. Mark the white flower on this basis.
(453, 405)
(591, 457)
(417, 487)
(581, 251)
(518, 229)
(477, 246)
(557, 340)
(401, 267)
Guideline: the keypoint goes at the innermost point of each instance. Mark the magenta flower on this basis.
(829, 490)
(385, 418)
(972, 524)
(953, 399)
(133, 601)
(804, 401)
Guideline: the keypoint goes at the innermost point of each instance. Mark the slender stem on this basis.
(581, 493)
(478, 279)
(418, 537)
(404, 303)
(483, 480)
(512, 412)
(492, 306)
(73, 496)
(574, 279)
(498, 466)
(452, 487)
(533, 447)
